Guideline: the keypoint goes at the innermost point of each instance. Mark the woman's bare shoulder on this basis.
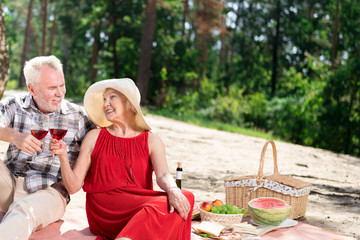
(93, 132)
(92, 136)
(154, 141)
(154, 137)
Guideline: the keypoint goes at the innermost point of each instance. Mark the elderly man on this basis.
(32, 192)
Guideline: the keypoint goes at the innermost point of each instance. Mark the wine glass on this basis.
(39, 128)
(58, 127)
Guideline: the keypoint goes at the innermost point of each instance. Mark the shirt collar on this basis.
(28, 101)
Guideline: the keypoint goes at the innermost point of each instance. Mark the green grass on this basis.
(198, 121)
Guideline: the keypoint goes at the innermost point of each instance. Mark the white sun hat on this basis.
(94, 100)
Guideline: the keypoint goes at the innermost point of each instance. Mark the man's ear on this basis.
(31, 89)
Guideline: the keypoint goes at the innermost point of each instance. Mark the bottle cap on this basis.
(179, 164)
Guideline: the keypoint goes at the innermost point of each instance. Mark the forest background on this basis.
(288, 67)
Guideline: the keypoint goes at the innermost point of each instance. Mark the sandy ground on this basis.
(210, 156)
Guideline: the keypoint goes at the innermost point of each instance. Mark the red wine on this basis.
(58, 133)
(39, 134)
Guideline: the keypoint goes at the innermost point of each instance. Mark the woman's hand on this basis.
(178, 201)
(58, 147)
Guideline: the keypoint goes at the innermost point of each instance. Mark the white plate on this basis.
(265, 229)
(287, 223)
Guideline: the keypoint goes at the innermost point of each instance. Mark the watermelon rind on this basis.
(268, 216)
(196, 212)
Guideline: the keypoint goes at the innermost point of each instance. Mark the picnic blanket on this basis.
(301, 231)
(74, 226)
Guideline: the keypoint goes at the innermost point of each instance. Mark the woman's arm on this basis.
(73, 178)
(164, 179)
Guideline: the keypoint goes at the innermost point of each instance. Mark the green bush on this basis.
(256, 113)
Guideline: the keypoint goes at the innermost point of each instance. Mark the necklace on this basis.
(122, 156)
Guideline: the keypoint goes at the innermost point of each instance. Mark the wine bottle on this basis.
(179, 174)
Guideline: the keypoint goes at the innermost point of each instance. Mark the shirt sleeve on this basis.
(6, 113)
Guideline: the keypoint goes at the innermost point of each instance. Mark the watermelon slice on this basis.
(268, 211)
(196, 212)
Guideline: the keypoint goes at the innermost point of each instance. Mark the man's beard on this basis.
(46, 106)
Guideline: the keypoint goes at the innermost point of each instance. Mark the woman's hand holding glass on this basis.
(58, 128)
(58, 147)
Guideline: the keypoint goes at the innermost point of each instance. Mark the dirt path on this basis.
(210, 156)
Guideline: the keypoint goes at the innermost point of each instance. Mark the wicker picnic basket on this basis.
(240, 191)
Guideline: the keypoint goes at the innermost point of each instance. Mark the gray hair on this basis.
(32, 67)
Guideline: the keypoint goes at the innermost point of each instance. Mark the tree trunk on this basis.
(201, 38)
(44, 4)
(4, 55)
(335, 37)
(233, 37)
(115, 58)
(113, 40)
(35, 39)
(65, 52)
(26, 44)
(310, 16)
(276, 44)
(185, 15)
(223, 33)
(232, 47)
(349, 129)
(147, 38)
(95, 52)
(203, 47)
(52, 36)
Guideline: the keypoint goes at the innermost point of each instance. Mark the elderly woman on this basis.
(116, 163)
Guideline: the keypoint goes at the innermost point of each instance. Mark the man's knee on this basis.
(18, 222)
(23, 209)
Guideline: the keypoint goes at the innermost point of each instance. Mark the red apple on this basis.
(206, 206)
(217, 202)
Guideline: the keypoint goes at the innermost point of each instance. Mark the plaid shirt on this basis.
(16, 113)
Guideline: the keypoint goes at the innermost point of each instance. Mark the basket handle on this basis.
(260, 178)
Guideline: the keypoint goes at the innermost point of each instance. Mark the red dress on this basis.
(118, 207)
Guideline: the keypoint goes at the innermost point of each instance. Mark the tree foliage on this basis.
(290, 67)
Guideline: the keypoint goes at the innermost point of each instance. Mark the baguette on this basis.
(208, 227)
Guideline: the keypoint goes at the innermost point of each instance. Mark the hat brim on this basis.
(94, 100)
